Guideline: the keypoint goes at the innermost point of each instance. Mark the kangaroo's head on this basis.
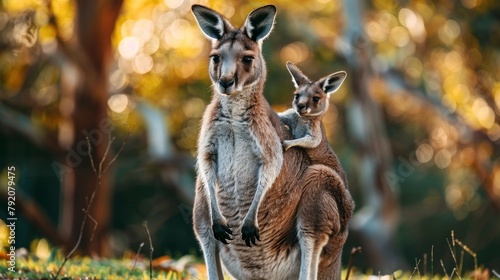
(236, 61)
(312, 98)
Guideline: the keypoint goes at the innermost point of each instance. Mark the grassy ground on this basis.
(129, 267)
(44, 262)
(164, 268)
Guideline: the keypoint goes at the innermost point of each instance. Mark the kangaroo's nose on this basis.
(301, 106)
(225, 83)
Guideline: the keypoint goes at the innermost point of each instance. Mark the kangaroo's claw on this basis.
(250, 233)
(222, 233)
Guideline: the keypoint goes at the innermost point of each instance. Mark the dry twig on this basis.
(417, 263)
(151, 250)
(444, 269)
(135, 260)
(354, 251)
(469, 251)
(452, 250)
(86, 210)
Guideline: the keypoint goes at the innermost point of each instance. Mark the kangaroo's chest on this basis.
(237, 148)
(238, 161)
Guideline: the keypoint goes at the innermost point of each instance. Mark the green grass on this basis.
(30, 266)
(43, 263)
(129, 267)
(86, 268)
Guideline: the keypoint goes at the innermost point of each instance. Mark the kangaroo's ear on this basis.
(332, 82)
(210, 22)
(298, 78)
(260, 22)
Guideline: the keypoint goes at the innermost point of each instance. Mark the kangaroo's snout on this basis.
(225, 84)
(301, 106)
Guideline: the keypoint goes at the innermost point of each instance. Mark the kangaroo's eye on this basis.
(315, 99)
(296, 96)
(247, 59)
(215, 58)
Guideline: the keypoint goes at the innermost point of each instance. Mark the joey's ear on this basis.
(332, 82)
(259, 23)
(210, 22)
(298, 78)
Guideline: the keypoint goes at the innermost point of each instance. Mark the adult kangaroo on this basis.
(280, 203)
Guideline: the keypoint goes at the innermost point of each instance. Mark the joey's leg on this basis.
(330, 263)
(308, 141)
(311, 244)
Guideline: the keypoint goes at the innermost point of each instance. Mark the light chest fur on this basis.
(238, 158)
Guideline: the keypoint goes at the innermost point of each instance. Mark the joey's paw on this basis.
(222, 232)
(285, 145)
(250, 233)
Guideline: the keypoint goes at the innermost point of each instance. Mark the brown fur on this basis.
(299, 210)
(310, 104)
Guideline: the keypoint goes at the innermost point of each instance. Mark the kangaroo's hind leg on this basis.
(320, 230)
(203, 230)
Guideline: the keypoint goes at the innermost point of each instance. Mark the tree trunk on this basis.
(375, 223)
(91, 46)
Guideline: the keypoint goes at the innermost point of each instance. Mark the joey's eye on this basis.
(215, 58)
(247, 59)
(296, 96)
(316, 99)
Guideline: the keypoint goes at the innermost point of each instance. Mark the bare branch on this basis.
(95, 227)
(417, 263)
(90, 202)
(452, 272)
(432, 261)
(90, 156)
(354, 251)
(444, 269)
(135, 260)
(469, 251)
(425, 265)
(117, 154)
(106, 152)
(452, 250)
(151, 250)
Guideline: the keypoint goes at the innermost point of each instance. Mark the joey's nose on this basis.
(226, 83)
(301, 106)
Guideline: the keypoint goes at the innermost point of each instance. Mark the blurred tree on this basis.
(89, 53)
(83, 59)
(377, 221)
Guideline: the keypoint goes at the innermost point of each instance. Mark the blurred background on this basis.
(416, 125)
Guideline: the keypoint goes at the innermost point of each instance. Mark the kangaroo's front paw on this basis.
(222, 232)
(250, 233)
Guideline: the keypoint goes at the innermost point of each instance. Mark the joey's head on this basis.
(312, 98)
(236, 61)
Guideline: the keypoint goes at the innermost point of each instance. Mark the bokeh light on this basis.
(118, 102)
